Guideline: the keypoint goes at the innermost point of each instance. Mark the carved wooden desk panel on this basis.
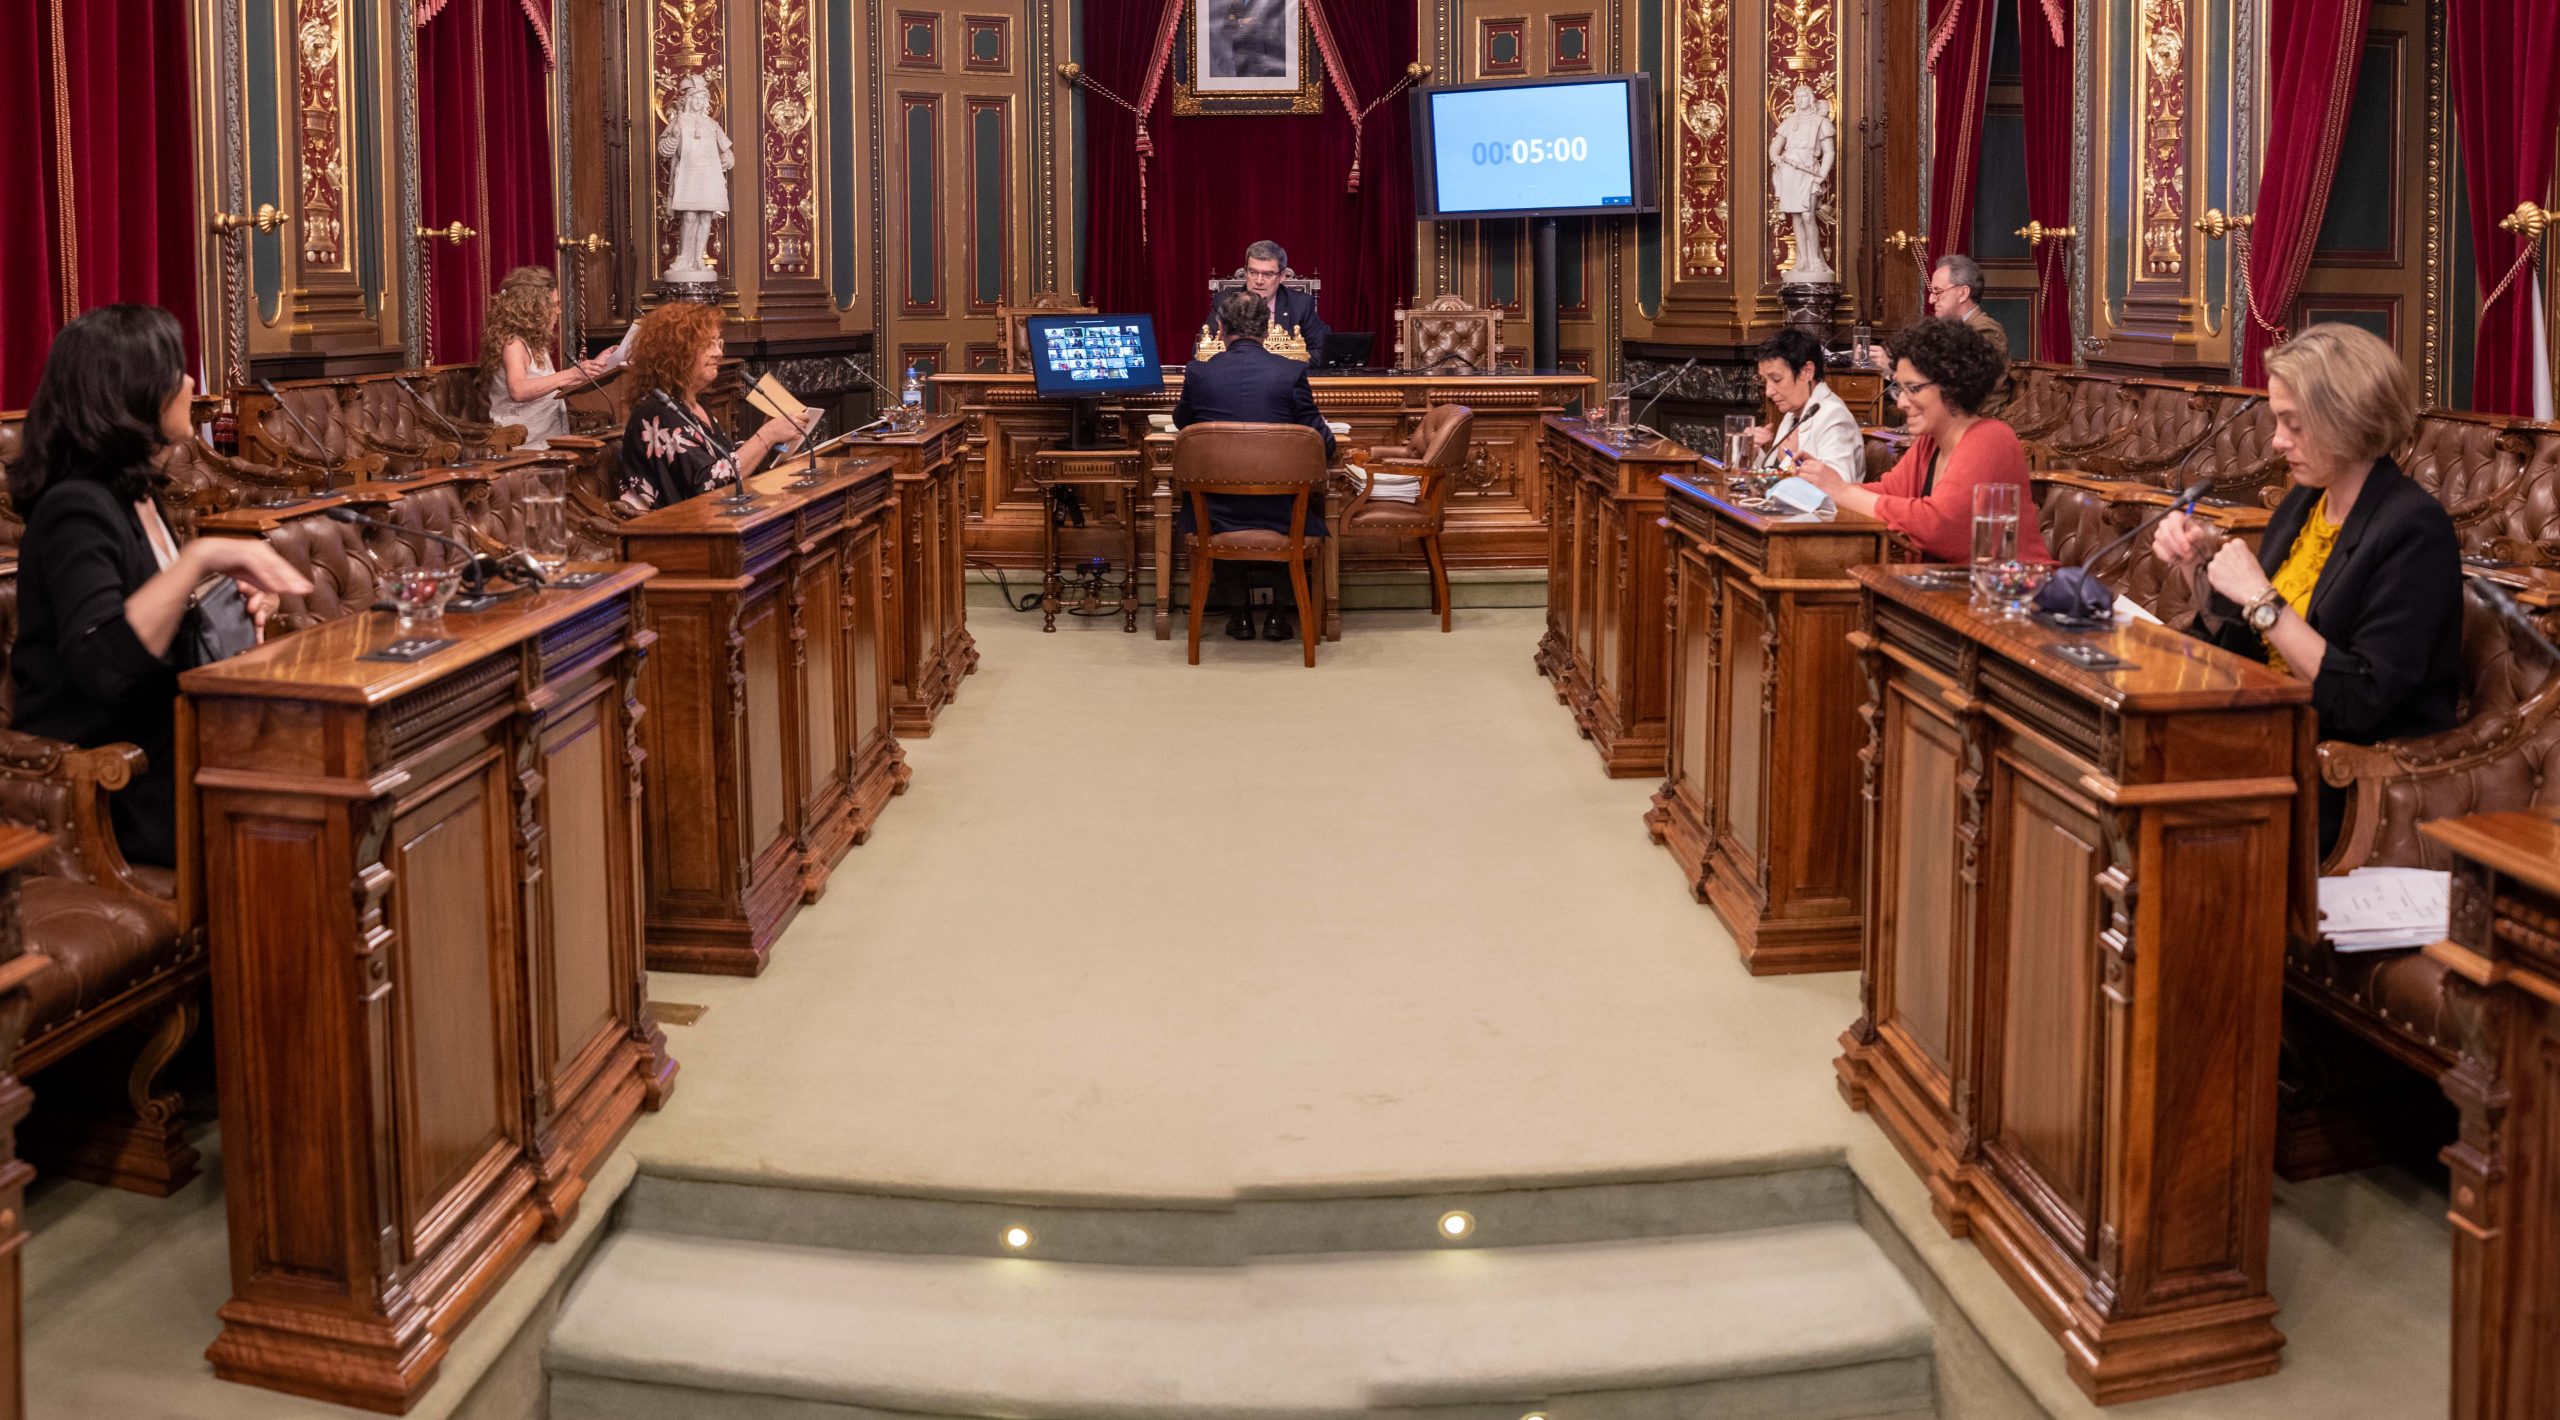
(423, 902)
(2077, 886)
(1759, 800)
(1496, 514)
(2504, 948)
(769, 739)
(930, 648)
(1604, 644)
(19, 846)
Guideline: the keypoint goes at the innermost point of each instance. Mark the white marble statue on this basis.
(698, 187)
(1800, 159)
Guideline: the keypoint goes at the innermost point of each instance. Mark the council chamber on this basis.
(1576, 709)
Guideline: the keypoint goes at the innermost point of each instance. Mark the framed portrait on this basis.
(1246, 57)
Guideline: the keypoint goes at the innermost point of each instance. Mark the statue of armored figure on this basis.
(698, 186)
(1800, 159)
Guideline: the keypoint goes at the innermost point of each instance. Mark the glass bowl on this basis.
(419, 595)
(2013, 583)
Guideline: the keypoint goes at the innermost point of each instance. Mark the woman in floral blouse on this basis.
(672, 449)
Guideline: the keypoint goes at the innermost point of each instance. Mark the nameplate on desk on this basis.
(736, 510)
(572, 581)
(410, 648)
(2090, 658)
(481, 602)
(1939, 579)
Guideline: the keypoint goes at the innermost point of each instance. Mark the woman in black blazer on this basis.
(2357, 585)
(102, 586)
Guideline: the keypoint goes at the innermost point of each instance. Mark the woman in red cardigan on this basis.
(1942, 372)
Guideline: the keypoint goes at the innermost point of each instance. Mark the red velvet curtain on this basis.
(97, 139)
(484, 158)
(2314, 48)
(2044, 61)
(1960, 62)
(2505, 60)
(1215, 185)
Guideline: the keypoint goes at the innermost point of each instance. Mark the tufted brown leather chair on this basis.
(345, 578)
(2038, 400)
(1251, 459)
(2474, 464)
(13, 427)
(1016, 321)
(2527, 530)
(1435, 453)
(1447, 331)
(2091, 405)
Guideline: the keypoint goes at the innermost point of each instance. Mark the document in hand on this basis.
(2380, 909)
(770, 397)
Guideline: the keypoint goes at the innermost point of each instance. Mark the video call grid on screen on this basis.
(1075, 355)
(1533, 148)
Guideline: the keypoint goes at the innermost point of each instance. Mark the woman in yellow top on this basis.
(2357, 585)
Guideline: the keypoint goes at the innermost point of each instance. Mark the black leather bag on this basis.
(217, 627)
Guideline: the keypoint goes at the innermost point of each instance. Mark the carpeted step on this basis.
(1805, 1323)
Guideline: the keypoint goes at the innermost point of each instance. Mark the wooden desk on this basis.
(769, 742)
(422, 895)
(1496, 514)
(1158, 452)
(1759, 800)
(2077, 892)
(2504, 950)
(19, 846)
(930, 648)
(1606, 589)
(1107, 469)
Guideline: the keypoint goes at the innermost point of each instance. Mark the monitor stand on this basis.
(1084, 424)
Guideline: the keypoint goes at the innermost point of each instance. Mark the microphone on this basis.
(2225, 422)
(319, 446)
(2504, 603)
(1659, 391)
(475, 565)
(2076, 594)
(422, 402)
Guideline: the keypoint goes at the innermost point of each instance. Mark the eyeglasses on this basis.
(1936, 291)
(1896, 389)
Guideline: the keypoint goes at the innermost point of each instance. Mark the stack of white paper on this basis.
(2379, 909)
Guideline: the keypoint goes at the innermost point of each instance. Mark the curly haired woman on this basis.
(1943, 371)
(515, 357)
(671, 449)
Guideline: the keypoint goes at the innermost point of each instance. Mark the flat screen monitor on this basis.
(1083, 357)
(1535, 148)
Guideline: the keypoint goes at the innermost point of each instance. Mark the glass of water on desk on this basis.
(1995, 541)
(1619, 412)
(546, 520)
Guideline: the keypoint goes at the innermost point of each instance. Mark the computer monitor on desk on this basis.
(1085, 358)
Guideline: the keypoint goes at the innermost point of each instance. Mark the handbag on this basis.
(217, 625)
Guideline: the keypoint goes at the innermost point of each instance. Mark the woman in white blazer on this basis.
(1814, 426)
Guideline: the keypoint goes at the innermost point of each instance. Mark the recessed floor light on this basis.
(1456, 1224)
(1017, 1237)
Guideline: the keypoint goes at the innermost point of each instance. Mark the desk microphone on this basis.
(476, 566)
(2504, 602)
(423, 403)
(1663, 387)
(319, 446)
(2075, 594)
(2225, 422)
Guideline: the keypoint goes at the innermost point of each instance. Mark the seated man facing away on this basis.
(1249, 385)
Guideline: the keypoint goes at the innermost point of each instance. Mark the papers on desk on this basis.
(2382, 909)
(2129, 611)
(1392, 487)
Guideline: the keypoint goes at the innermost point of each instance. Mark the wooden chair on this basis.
(1017, 324)
(1448, 330)
(1435, 453)
(1248, 459)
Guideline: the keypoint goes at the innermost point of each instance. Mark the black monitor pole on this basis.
(1542, 294)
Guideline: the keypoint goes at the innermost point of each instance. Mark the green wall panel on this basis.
(844, 201)
(923, 283)
(986, 175)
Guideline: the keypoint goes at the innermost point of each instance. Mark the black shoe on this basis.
(1240, 626)
(1279, 628)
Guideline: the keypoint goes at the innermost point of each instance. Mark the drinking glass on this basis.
(1619, 411)
(546, 520)
(419, 594)
(1995, 540)
(1861, 345)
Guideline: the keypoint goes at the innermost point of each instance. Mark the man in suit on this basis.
(1955, 287)
(1283, 309)
(1249, 385)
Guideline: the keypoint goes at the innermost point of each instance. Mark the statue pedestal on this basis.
(702, 293)
(1810, 306)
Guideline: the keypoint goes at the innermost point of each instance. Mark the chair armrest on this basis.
(578, 444)
(2394, 786)
(62, 789)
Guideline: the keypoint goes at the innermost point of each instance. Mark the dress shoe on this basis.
(1279, 628)
(1240, 626)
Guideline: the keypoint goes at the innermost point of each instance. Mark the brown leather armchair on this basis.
(1448, 331)
(1243, 459)
(1435, 453)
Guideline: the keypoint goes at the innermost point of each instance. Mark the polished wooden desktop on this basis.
(769, 740)
(1759, 799)
(2503, 949)
(421, 887)
(930, 648)
(1497, 515)
(2078, 889)
(1604, 645)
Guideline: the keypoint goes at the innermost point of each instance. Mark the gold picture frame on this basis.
(1297, 89)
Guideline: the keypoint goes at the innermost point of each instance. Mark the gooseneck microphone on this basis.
(319, 446)
(2076, 594)
(424, 403)
(2504, 602)
(476, 566)
(1663, 386)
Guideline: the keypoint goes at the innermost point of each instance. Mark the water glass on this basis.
(546, 520)
(1619, 412)
(1995, 540)
(1861, 345)
(419, 595)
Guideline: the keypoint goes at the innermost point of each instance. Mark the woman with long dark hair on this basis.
(103, 587)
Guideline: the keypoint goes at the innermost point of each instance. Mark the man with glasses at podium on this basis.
(1284, 309)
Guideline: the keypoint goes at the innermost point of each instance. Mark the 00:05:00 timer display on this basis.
(1531, 150)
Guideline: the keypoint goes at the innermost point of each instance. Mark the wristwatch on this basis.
(2263, 609)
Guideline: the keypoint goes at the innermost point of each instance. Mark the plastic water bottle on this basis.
(911, 400)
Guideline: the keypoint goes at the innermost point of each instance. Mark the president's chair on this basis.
(1428, 463)
(1246, 459)
(1448, 333)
